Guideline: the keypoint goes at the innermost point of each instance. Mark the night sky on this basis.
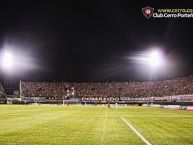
(90, 40)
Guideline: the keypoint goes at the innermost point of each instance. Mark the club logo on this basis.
(147, 12)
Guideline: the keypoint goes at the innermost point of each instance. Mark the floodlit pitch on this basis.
(93, 125)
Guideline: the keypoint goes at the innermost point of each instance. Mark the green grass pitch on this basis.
(93, 125)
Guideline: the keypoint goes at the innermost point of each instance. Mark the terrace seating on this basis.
(178, 86)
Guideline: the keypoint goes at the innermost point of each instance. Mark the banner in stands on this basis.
(176, 107)
(121, 99)
(182, 98)
(165, 106)
(189, 108)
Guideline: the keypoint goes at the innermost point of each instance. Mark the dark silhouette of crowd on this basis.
(178, 86)
(2, 92)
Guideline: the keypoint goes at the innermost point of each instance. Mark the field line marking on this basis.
(139, 134)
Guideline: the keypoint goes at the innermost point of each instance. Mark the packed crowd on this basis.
(178, 86)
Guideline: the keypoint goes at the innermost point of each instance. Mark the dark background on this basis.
(83, 41)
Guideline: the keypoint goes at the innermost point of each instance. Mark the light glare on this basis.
(155, 59)
(7, 60)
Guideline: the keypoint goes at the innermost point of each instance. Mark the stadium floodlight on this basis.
(7, 60)
(17, 59)
(155, 58)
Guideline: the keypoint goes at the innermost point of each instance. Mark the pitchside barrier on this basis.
(175, 107)
(190, 108)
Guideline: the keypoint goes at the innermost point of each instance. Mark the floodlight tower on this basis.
(6, 66)
(155, 60)
(7, 60)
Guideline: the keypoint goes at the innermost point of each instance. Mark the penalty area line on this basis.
(138, 134)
